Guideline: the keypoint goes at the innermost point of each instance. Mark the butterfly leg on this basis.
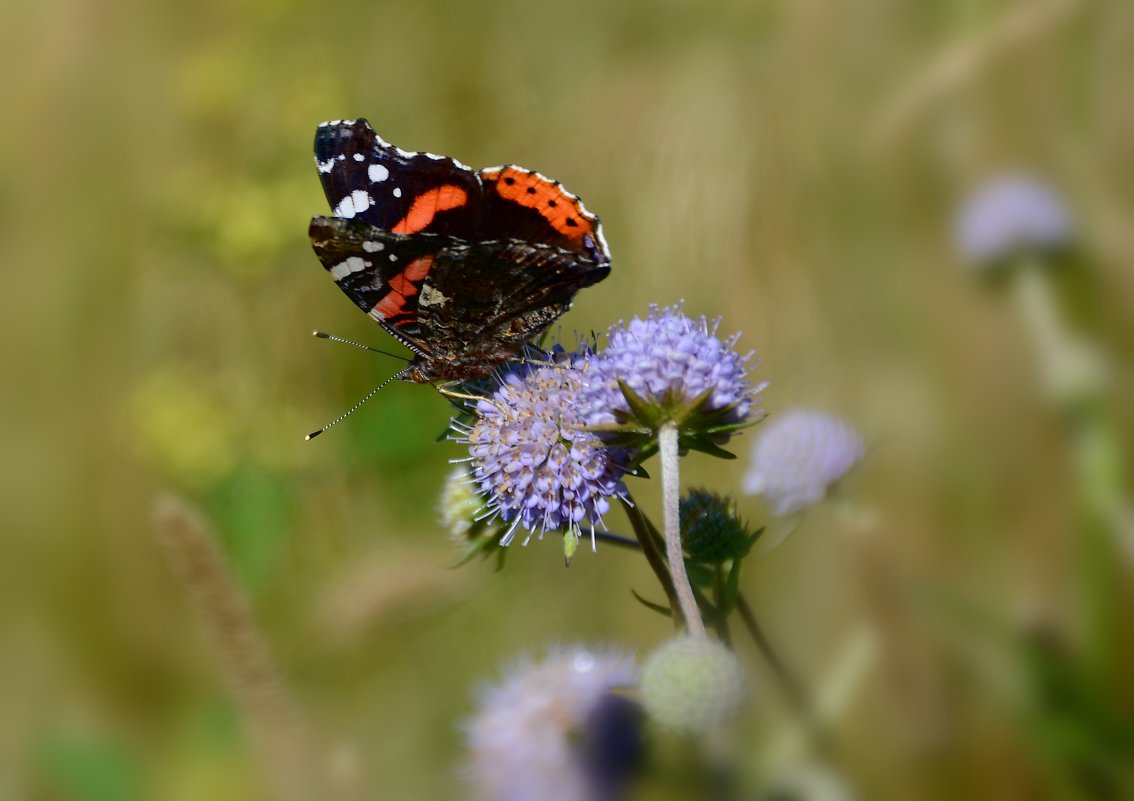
(447, 390)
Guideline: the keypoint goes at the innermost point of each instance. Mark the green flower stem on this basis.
(1073, 372)
(1070, 368)
(722, 616)
(617, 539)
(793, 689)
(654, 557)
(792, 686)
(667, 448)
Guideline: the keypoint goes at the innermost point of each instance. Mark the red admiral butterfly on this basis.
(463, 267)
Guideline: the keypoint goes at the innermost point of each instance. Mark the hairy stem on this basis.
(667, 448)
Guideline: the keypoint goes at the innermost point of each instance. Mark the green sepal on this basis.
(700, 443)
(618, 428)
(731, 587)
(637, 471)
(729, 428)
(645, 413)
(692, 407)
(483, 545)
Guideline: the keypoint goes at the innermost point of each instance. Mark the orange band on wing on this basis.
(403, 286)
(563, 212)
(428, 205)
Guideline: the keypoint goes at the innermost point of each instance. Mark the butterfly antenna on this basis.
(354, 408)
(333, 338)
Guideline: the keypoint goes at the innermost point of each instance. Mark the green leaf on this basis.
(662, 610)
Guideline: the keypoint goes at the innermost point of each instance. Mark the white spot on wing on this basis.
(397, 191)
(359, 157)
(372, 247)
(356, 202)
(377, 173)
(393, 257)
(325, 166)
(344, 268)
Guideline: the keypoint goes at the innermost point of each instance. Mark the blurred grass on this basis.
(154, 193)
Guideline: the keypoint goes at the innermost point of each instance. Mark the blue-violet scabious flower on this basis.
(536, 464)
(798, 455)
(1009, 216)
(669, 361)
(527, 739)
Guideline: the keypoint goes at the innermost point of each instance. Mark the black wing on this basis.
(368, 179)
(482, 302)
(380, 271)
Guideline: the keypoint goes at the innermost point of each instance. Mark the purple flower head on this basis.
(536, 465)
(1011, 215)
(798, 455)
(531, 733)
(669, 361)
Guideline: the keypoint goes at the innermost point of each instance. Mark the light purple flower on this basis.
(524, 740)
(798, 455)
(1010, 215)
(667, 359)
(534, 462)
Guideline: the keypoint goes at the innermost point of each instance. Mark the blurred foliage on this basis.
(792, 166)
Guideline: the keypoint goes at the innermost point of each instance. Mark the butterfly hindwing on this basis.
(367, 179)
(380, 271)
(507, 292)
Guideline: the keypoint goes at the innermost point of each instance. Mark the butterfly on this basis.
(464, 267)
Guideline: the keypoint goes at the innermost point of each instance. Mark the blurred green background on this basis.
(790, 165)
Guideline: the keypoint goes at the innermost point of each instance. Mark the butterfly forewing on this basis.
(524, 205)
(367, 179)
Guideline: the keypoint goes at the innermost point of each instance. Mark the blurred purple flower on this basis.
(528, 739)
(534, 462)
(1010, 215)
(798, 455)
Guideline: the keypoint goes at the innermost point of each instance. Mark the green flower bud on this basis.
(692, 685)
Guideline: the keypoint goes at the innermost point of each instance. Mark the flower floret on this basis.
(535, 462)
